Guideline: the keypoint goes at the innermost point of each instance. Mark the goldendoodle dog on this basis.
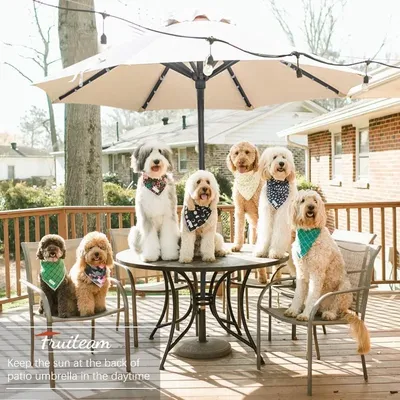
(54, 281)
(199, 219)
(274, 223)
(157, 231)
(91, 272)
(320, 268)
(242, 161)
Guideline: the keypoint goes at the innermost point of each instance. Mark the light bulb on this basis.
(208, 66)
(365, 87)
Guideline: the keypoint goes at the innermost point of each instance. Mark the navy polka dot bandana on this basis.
(195, 219)
(277, 192)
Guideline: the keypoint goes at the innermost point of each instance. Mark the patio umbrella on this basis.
(384, 84)
(160, 71)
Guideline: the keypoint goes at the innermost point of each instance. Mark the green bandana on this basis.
(305, 239)
(53, 273)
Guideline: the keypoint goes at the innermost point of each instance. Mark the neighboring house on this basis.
(354, 156)
(59, 162)
(222, 129)
(22, 162)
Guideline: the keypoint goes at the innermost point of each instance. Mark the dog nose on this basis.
(311, 207)
(156, 162)
(281, 164)
(204, 189)
(96, 254)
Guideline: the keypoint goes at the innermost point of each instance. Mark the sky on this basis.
(360, 31)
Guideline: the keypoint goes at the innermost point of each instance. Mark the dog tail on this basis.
(360, 332)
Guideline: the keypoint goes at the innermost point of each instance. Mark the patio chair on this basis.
(119, 242)
(359, 262)
(32, 283)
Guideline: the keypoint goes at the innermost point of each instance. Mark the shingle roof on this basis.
(22, 151)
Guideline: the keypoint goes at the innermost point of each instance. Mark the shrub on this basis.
(115, 195)
(113, 178)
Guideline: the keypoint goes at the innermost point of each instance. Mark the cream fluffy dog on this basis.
(242, 161)
(274, 223)
(156, 232)
(199, 219)
(91, 272)
(320, 268)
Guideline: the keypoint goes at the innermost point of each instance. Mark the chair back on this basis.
(32, 264)
(359, 261)
(119, 242)
(355, 237)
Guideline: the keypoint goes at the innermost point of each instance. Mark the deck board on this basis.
(337, 376)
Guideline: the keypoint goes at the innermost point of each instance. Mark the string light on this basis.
(209, 63)
(103, 39)
(262, 55)
(365, 86)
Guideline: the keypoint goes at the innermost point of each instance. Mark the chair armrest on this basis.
(43, 297)
(122, 291)
(270, 286)
(330, 294)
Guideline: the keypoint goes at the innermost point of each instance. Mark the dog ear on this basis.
(167, 153)
(229, 163)
(135, 160)
(39, 252)
(63, 249)
(291, 177)
(320, 219)
(256, 159)
(188, 202)
(110, 259)
(80, 251)
(265, 173)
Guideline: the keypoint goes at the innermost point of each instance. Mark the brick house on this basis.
(354, 156)
(222, 129)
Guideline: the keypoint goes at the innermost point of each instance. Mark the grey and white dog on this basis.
(156, 232)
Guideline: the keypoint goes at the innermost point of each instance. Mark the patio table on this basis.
(224, 268)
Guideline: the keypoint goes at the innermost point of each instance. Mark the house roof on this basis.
(357, 114)
(21, 152)
(223, 127)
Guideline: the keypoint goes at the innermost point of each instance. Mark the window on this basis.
(182, 159)
(11, 172)
(362, 154)
(337, 161)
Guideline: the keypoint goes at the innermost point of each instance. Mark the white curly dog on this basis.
(320, 268)
(276, 198)
(199, 219)
(156, 232)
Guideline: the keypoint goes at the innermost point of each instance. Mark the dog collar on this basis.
(305, 238)
(195, 219)
(52, 273)
(277, 192)
(155, 185)
(96, 274)
(247, 183)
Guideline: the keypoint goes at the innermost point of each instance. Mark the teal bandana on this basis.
(52, 273)
(305, 239)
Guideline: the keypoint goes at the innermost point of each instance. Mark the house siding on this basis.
(384, 170)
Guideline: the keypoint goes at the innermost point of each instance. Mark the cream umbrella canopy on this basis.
(167, 71)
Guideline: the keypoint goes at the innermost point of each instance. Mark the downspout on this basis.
(307, 156)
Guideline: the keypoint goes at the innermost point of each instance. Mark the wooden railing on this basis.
(30, 225)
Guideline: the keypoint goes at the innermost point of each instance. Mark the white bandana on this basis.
(247, 183)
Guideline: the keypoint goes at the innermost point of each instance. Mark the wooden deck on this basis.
(337, 376)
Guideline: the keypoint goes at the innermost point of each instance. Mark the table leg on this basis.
(164, 310)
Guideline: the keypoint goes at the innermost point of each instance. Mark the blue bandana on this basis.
(277, 192)
(195, 219)
(305, 239)
(97, 275)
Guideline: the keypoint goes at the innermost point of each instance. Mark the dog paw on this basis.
(208, 258)
(63, 315)
(291, 312)
(302, 317)
(150, 258)
(99, 310)
(275, 254)
(328, 316)
(262, 279)
(236, 248)
(40, 310)
(260, 254)
(185, 260)
(170, 257)
(221, 253)
(86, 313)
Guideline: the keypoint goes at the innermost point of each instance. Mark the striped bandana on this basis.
(52, 273)
(305, 239)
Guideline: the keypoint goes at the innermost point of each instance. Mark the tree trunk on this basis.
(53, 130)
(83, 156)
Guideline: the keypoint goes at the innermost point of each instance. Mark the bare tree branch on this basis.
(51, 62)
(19, 71)
(24, 46)
(281, 18)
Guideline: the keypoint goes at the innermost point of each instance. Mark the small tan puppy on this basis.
(242, 161)
(199, 219)
(91, 272)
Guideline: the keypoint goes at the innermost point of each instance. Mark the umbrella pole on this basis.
(200, 86)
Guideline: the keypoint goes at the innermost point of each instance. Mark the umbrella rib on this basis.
(239, 87)
(223, 67)
(155, 88)
(180, 68)
(86, 82)
(313, 78)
